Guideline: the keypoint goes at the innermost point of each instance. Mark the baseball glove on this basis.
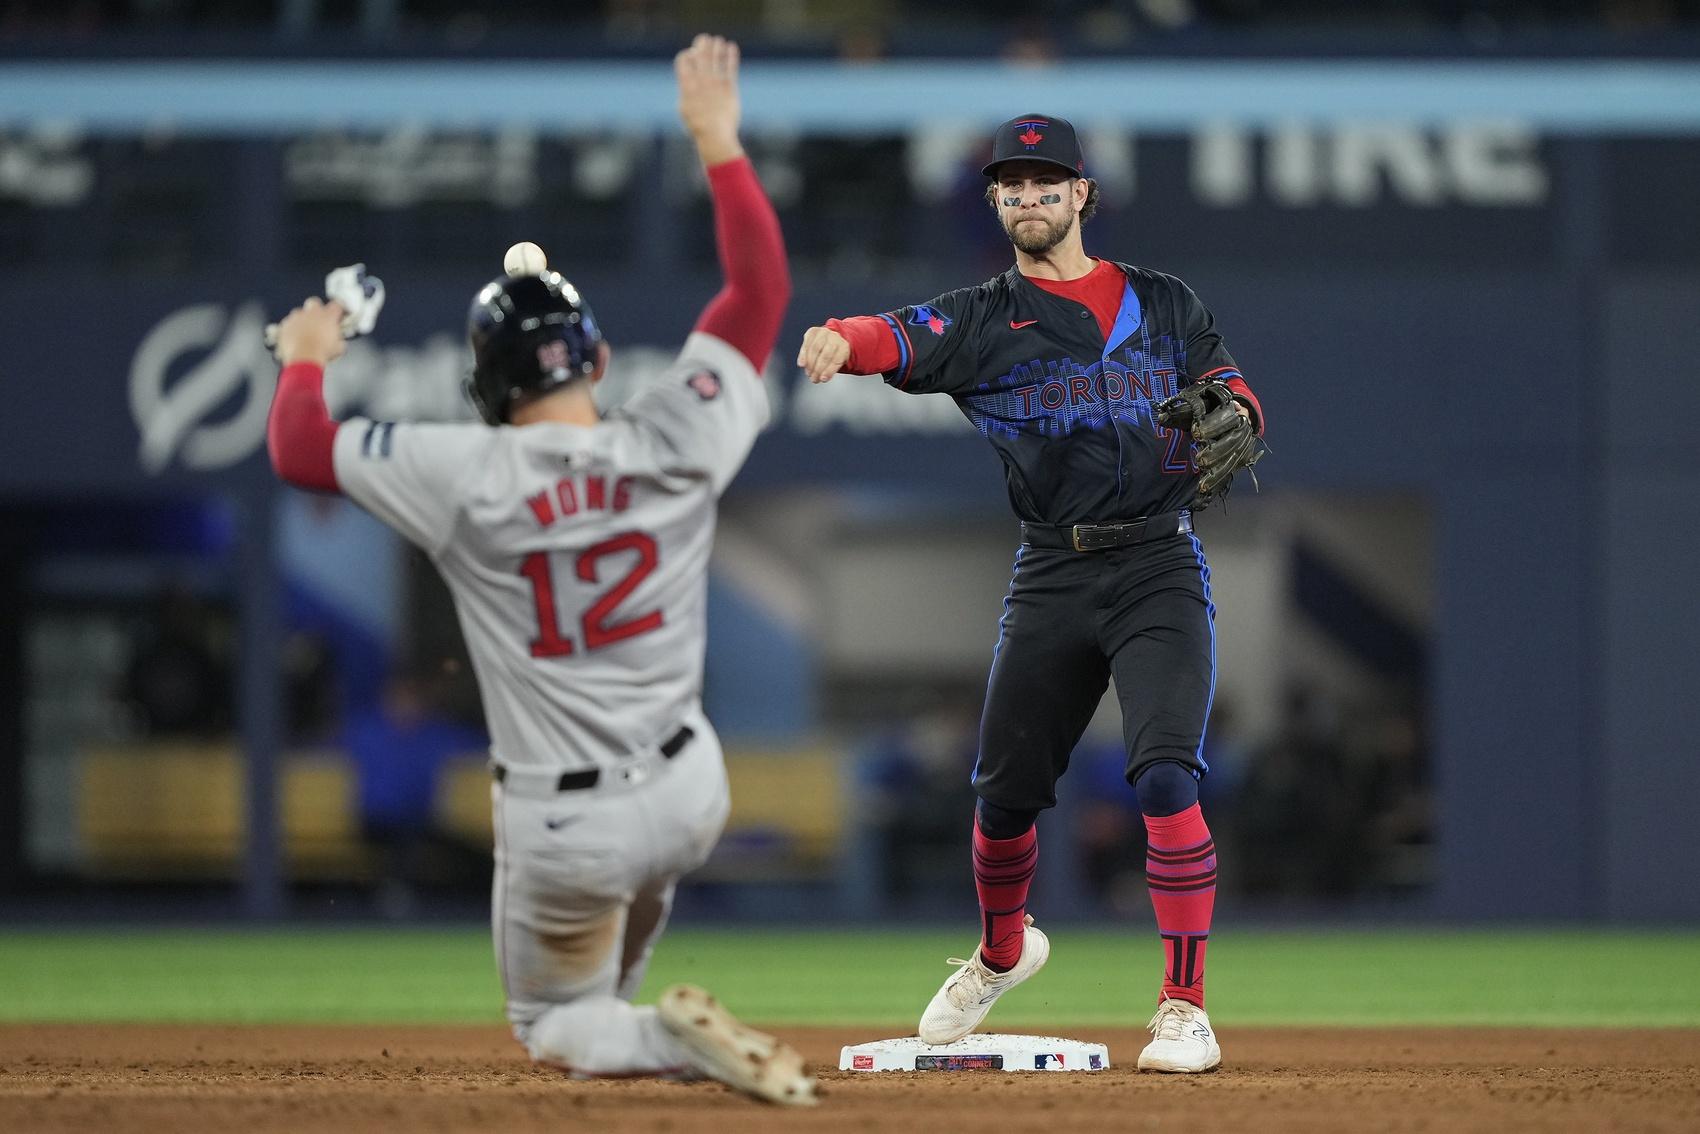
(1223, 442)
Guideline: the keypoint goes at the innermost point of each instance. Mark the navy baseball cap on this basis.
(1037, 137)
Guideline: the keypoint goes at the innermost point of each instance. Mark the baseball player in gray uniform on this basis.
(576, 547)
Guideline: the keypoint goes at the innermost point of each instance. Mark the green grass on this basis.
(1562, 978)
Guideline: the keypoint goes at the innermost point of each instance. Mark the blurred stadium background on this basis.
(1452, 243)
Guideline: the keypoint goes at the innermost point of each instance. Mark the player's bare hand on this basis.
(311, 333)
(707, 71)
(823, 354)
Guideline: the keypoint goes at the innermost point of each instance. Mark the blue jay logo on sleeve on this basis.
(931, 318)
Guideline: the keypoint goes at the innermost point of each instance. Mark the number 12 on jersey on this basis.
(551, 641)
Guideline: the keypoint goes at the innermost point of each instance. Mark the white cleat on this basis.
(1181, 1040)
(968, 995)
(739, 1056)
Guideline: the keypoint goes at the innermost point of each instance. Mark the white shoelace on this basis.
(976, 977)
(966, 990)
(1171, 1018)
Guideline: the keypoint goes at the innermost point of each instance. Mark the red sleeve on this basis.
(300, 434)
(1241, 390)
(873, 344)
(747, 311)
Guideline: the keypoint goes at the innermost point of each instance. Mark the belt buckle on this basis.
(1075, 535)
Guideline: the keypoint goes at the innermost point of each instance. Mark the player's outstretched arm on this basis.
(300, 434)
(859, 344)
(748, 310)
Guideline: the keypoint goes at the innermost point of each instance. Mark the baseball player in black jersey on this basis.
(1117, 411)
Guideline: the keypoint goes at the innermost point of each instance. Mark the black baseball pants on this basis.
(1072, 621)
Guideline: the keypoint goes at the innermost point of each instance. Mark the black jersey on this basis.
(1069, 413)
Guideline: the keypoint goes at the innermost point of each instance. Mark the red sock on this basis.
(1180, 869)
(1003, 869)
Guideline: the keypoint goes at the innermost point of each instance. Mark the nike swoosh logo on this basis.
(556, 822)
(1014, 326)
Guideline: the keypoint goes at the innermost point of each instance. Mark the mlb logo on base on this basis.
(1047, 1061)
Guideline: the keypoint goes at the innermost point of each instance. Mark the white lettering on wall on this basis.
(863, 405)
(408, 165)
(1496, 164)
(1222, 171)
(1367, 159)
(1297, 166)
(46, 167)
(171, 404)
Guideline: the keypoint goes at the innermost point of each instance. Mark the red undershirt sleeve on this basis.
(748, 310)
(873, 346)
(300, 434)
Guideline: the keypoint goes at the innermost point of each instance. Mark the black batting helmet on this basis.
(530, 334)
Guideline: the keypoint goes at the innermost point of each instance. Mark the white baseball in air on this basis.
(524, 259)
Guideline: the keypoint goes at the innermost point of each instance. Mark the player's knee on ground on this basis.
(1166, 788)
(1002, 822)
(602, 1036)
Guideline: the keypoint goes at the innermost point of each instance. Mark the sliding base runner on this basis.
(986, 1051)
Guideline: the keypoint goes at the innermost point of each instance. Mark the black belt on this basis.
(589, 777)
(1098, 537)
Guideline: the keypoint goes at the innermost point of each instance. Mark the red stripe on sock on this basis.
(1180, 872)
(1003, 869)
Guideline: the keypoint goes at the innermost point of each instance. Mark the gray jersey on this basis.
(577, 555)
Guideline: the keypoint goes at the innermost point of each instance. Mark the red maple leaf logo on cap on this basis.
(1031, 138)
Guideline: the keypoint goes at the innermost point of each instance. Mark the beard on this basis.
(1040, 237)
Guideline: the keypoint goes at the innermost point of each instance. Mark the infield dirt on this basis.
(185, 1079)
